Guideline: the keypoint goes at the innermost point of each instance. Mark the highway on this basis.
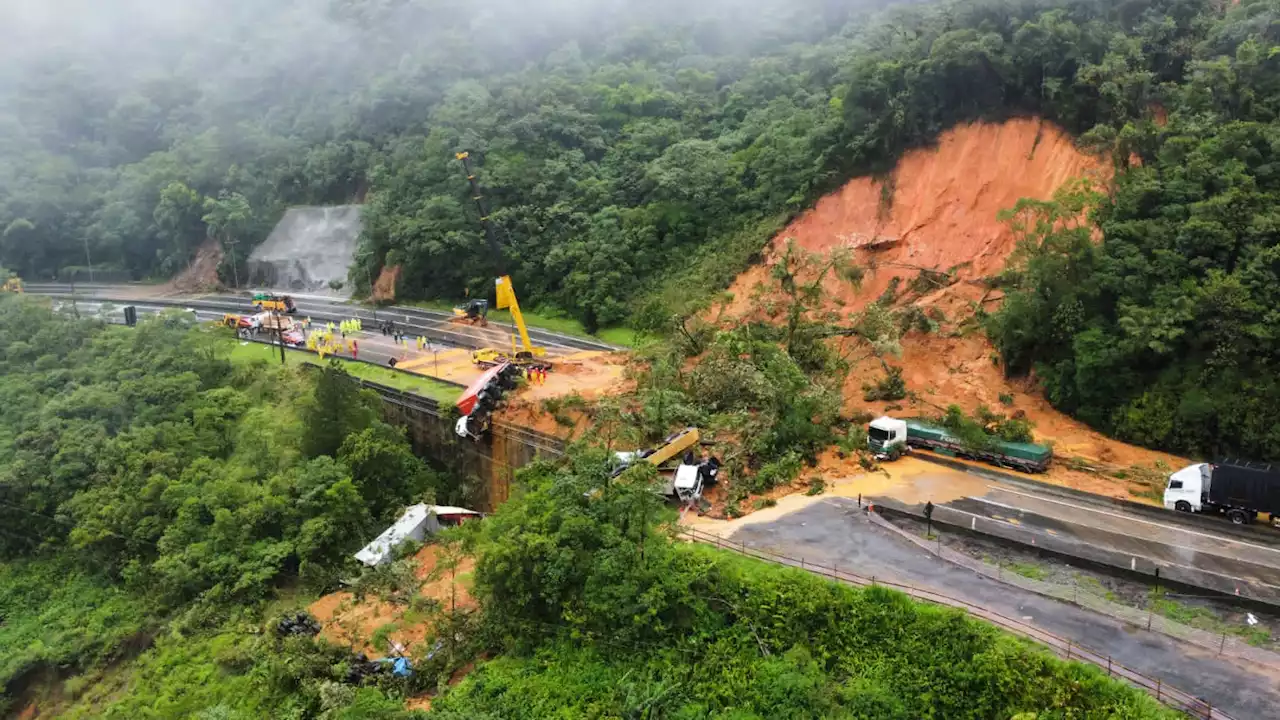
(432, 324)
(373, 347)
(834, 532)
(1191, 550)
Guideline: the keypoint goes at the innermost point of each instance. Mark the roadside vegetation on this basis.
(250, 353)
(165, 497)
(146, 480)
(164, 507)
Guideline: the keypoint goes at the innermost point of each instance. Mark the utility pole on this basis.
(235, 270)
(75, 310)
(279, 333)
(87, 258)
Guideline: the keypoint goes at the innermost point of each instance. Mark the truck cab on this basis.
(884, 434)
(1186, 488)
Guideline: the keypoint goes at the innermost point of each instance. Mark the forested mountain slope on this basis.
(638, 156)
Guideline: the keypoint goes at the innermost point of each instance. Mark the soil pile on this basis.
(384, 289)
(202, 275)
(939, 212)
(351, 622)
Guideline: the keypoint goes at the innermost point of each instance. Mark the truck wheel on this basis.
(1183, 506)
(1239, 517)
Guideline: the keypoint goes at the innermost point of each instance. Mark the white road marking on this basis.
(1121, 516)
(1133, 560)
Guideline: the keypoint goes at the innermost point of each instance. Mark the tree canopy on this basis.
(152, 473)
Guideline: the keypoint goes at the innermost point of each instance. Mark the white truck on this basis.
(1238, 489)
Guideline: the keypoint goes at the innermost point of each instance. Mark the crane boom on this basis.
(500, 261)
(504, 291)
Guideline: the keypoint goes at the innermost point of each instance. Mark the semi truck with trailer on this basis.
(1235, 488)
(890, 437)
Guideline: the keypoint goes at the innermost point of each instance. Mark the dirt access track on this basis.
(938, 211)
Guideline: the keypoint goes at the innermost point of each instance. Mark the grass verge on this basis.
(242, 352)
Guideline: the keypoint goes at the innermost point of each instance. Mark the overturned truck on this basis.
(478, 402)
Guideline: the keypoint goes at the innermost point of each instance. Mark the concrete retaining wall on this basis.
(486, 466)
(1100, 556)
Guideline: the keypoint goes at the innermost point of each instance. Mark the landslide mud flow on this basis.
(939, 211)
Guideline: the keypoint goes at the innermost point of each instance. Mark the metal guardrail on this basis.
(541, 441)
(1219, 643)
(1210, 523)
(1068, 649)
(1205, 576)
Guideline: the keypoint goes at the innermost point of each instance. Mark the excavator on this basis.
(12, 284)
(526, 354)
(472, 312)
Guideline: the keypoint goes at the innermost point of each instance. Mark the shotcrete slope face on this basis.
(943, 213)
(308, 248)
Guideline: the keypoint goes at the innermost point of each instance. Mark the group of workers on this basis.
(323, 343)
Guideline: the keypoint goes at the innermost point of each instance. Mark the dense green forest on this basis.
(142, 473)
(636, 157)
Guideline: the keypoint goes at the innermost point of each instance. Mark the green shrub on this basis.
(889, 388)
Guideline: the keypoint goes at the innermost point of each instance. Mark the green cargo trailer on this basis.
(1030, 457)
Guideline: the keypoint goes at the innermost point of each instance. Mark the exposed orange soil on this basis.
(384, 288)
(453, 364)
(940, 371)
(346, 621)
(944, 209)
(533, 416)
(202, 274)
(591, 374)
(944, 218)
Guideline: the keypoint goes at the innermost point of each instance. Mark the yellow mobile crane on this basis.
(527, 353)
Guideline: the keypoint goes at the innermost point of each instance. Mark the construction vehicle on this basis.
(890, 437)
(274, 303)
(691, 475)
(1236, 488)
(526, 354)
(473, 312)
(12, 284)
(231, 320)
(675, 444)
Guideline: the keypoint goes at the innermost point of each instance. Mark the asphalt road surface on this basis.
(834, 531)
(373, 347)
(1164, 543)
(1188, 550)
(432, 324)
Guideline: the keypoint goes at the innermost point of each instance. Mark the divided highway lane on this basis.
(1165, 546)
(1093, 528)
(372, 349)
(432, 324)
